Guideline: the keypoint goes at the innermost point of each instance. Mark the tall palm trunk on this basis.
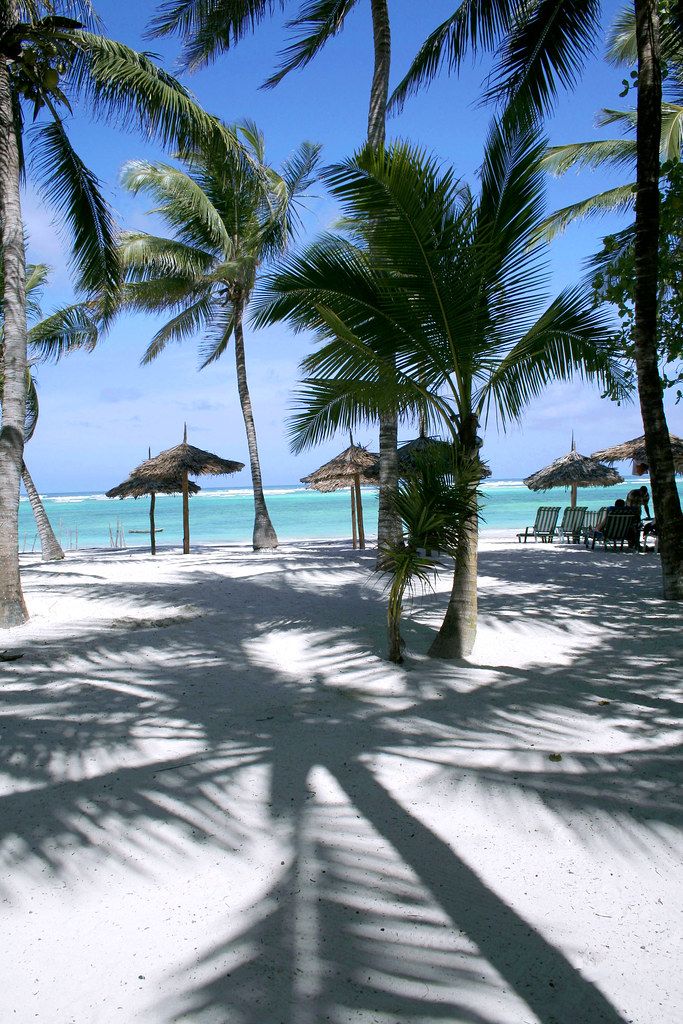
(13, 610)
(389, 531)
(264, 532)
(458, 631)
(667, 506)
(49, 545)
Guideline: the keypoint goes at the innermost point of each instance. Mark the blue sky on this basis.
(100, 412)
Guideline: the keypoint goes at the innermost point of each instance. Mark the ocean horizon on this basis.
(88, 519)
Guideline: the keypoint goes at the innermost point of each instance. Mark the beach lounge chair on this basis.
(618, 529)
(572, 521)
(590, 521)
(544, 526)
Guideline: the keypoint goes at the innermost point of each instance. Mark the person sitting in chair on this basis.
(620, 507)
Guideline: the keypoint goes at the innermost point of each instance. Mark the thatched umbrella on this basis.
(409, 453)
(634, 451)
(177, 464)
(573, 470)
(136, 487)
(351, 468)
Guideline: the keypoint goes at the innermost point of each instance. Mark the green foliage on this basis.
(541, 47)
(50, 337)
(437, 504)
(229, 213)
(58, 58)
(614, 275)
(210, 27)
(442, 306)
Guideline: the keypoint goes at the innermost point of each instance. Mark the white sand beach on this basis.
(221, 805)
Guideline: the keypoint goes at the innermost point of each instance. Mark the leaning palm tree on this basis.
(541, 47)
(48, 63)
(49, 337)
(229, 215)
(452, 288)
(208, 30)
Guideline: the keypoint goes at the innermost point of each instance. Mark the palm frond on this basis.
(613, 200)
(32, 407)
(128, 89)
(181, 201)
(323, 407)
(614, 152)
(36, 276)
(545, 51)
(316, 22)
(74, 190)
(573, 338)
(209, 27)
(189, 322)
(66, 330)
(148, 257)
(162, 295)
(217, 336)
(475, 26)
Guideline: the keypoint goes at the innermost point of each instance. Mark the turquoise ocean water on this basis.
(91, 520)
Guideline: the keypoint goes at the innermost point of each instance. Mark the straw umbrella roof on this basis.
(409, 453)
(137, 487)
(634, 451)
(341, 471)
(573, 470)
(185, 458)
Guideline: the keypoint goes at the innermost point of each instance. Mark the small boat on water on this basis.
(160, 530)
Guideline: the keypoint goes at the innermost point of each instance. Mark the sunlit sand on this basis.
(222, 805)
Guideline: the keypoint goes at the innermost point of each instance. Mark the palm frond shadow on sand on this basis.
(372, 913)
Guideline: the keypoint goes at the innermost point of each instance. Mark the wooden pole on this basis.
(186, 515)
(573, 497)
(152, 530)
(353, 516)
(359, 512)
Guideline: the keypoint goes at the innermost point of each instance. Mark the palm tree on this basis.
(541, 47)
(208, 30)
(49, 337)
(228, 215)
(49, 62)
(454, 287)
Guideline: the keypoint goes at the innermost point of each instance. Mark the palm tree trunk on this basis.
(13, 609)
(389, 532)
(667, 506)
(50, 547)
(353, 517)
(152, 524)
(359, 512)
(458, 630)
(379, 92)
(186, 515)
(264, 533)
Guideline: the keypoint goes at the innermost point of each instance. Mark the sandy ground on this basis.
(220, 805)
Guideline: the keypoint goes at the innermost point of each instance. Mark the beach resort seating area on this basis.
(610, 527)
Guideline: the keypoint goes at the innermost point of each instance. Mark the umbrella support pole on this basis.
(186, 515)
(359, 513)
(353, 517)
(573, 497)
(152, 530)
